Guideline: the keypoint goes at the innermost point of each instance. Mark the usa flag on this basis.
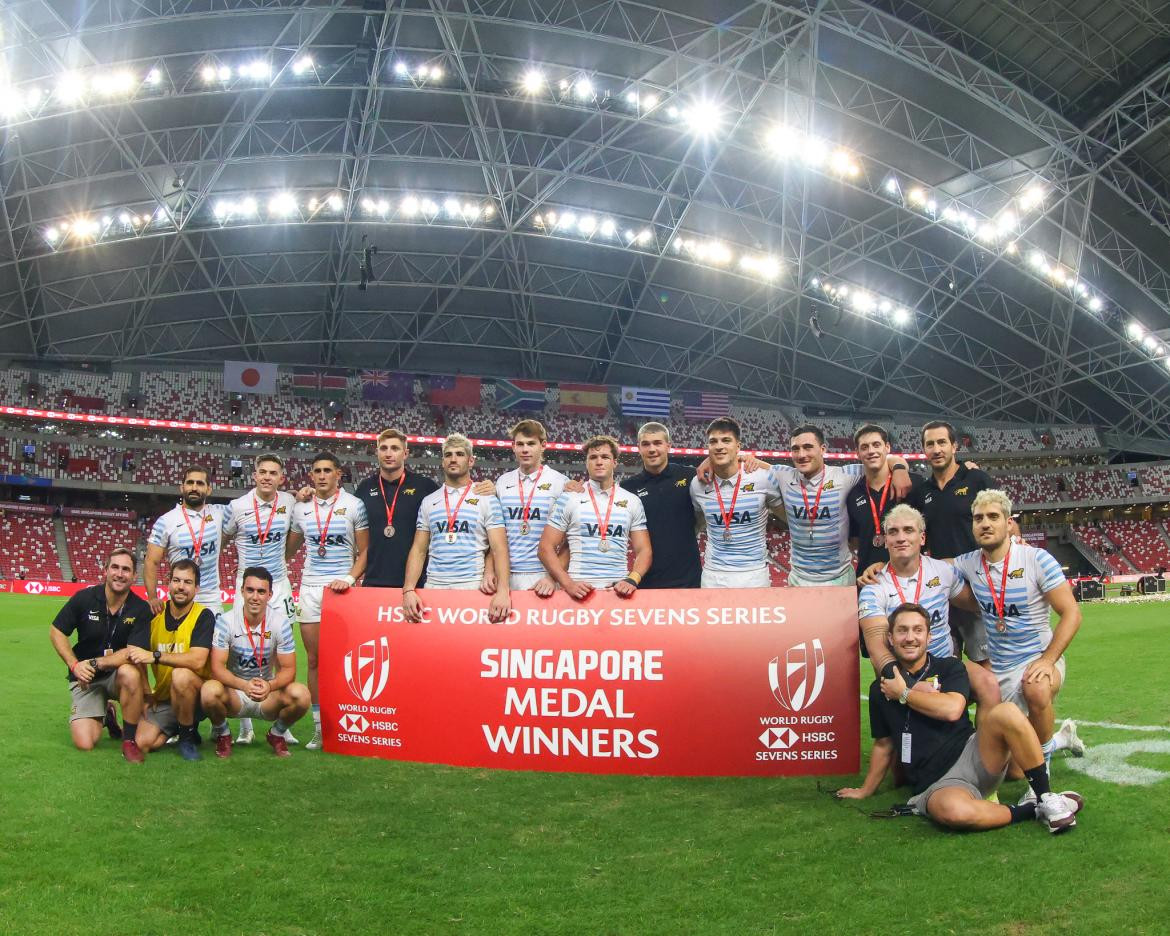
(706, 405)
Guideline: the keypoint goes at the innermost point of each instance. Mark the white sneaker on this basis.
(246, 736)
(1058, 810)
(1069, 740)
(1028, 797)
(315, 744)
(173, 739)
(288, 737)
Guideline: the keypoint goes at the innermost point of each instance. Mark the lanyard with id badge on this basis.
(906, 735)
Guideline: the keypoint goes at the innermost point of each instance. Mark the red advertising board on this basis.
(671, 683)
(53, 589)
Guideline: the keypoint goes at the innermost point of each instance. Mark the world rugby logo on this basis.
(34, 588)
(804, 663)
(368, 668)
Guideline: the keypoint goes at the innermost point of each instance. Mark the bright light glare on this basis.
(302, 65)
(917, 196)
(608, 227)
(703, 118)
(400, 68)
(410, 206)
(649, 102)
(282, 204)
(583, 89)
(901, 316)
(451, 207)
(587, 225)
(1095, 304)
(70, 89)
(335, 202)
(533, 81)
(1135, 330)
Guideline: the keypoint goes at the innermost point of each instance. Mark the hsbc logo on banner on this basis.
(803, 677)
(354, 724)
(779, 739)
(34, 588)
(367, 669)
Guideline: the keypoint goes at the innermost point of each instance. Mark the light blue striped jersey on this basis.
(940, 583)
(513, 489)
(275, 635)
(820, 545)
(461, 561)
(1032, 573)
(747, 548)
(173, 532)
(574, 516)
(240, 521)
(335, 533)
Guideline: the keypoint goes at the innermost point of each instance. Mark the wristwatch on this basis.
(905, 695)
(157, 655)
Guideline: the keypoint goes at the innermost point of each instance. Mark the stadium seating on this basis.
(90, 542)
(1098, 485)
(1142, 542)
(1155, 480)
(1075, 437)
(1004, 440)
(1097, 540)
(1031, 489)
(30, 550)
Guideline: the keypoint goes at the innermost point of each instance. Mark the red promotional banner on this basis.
(670, 683)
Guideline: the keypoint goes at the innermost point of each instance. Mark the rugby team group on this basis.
(940, 574)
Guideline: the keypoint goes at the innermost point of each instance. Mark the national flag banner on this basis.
(387, 386)
(315, 383)
(454, 391)
(706, 405)
(693, 682)
(526, 395)
(584, 398)
(645, 401)
(249, 377)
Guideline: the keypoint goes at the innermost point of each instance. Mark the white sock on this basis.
(1049, 748)
(245, 725)
(317, 717)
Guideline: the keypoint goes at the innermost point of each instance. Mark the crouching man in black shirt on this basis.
(919, 717)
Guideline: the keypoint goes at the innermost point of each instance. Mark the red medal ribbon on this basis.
(999, 602)
(393, 503)
(898, 588)
(197, 543)
(603, 530)
(321, 534)
(726, 514)
(256, 512)
(877, 509)
(811, 513)
(452, 517)
(258, 656)
(520, 481)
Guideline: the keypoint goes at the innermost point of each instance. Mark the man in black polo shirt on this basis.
(665, 492)
(873, 496)
(945, 499)
(392, 497)
(99, 665)
(918, 716)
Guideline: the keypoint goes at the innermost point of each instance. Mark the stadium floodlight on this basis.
(1081, 289)
(649, 102)
(629, 236)
(587, 225)
(917, 196)
(248, 206)
(32, 98)
(632, 98)
(154, 77)
(224, 73)
(672, 112)
(1134, 330)
(644, 237)
(891, 185)
(1012, 248)
(451, 208)
(436, 73)
(207, 73)
(422, 71)
(901, 316)
(429, 207)
(302, 65)
(1095, 304)
(1006, 221)
(222, 209)
(70, 88)
(470, 211)
(124, 219)
(410, 206)
(52, 235)
(950, 215)
(107, 221)
(382, 205)
(260, 70)
(532, 82)
(703, 118)
(489, 210)
(314, 204)
(335, 202)
(1166, 361)
(607, 227)
(400, 69)
(885, 306)
(842, 163)
(782, 142)
(1058, 275)
(1036, 259)
(563, 84)
(282, 204)
(567, 221)
(1032, 196)
(1149, 342)
(987, 234)
(932, 207)
(367, 204)
(583, 89)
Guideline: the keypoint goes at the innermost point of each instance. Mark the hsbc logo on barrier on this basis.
(354, 724)
(779, 739)
(803, 677)
(34, 588)
(367, 669)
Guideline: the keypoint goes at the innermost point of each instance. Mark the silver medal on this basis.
(603, 545)
(389, 531)
(450, 537)
(524, 528)
(321, 551)
(727, 536)
(879, 540)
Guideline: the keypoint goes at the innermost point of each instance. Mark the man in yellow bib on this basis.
(176, 644)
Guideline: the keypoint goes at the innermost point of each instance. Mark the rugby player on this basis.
(918, 716)
(945, 500)
(734, 507)
(453, 532)
(334, 527)
(815, 502)
(392, 497)
(1016, 586)
(256, 633)
(527, 495)
(259, 522)
(175, 643)
(598, 525)
(912, 577)
(190, 530)
(872, 496)
(103, 617)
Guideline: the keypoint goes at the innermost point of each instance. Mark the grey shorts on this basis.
(967, 772)
(90, 701)
(162, 716)
(972, 632)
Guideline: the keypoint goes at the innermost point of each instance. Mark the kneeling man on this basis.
(919, 717)
(248, 640)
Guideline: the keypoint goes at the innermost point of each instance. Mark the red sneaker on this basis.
(278, 744)
(223, 745)
(132, 752)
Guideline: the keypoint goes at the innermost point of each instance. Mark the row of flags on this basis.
(516, 395)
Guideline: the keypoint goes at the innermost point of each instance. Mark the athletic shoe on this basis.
(173, 739)
(1075, 800)
(223, 744)
(1069, 739)
(1057, 811)
(315, 744)
(245, 736)
(188, 750)
(278, 744)
(132, 752)
(288, 737)
(112, 726)
(1028, 797)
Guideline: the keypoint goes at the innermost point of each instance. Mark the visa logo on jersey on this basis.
(611, 530)
(821, 513)
(743, 516)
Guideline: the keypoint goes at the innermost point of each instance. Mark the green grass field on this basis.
(329, 844)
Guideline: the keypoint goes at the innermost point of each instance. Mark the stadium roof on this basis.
(960, 207)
